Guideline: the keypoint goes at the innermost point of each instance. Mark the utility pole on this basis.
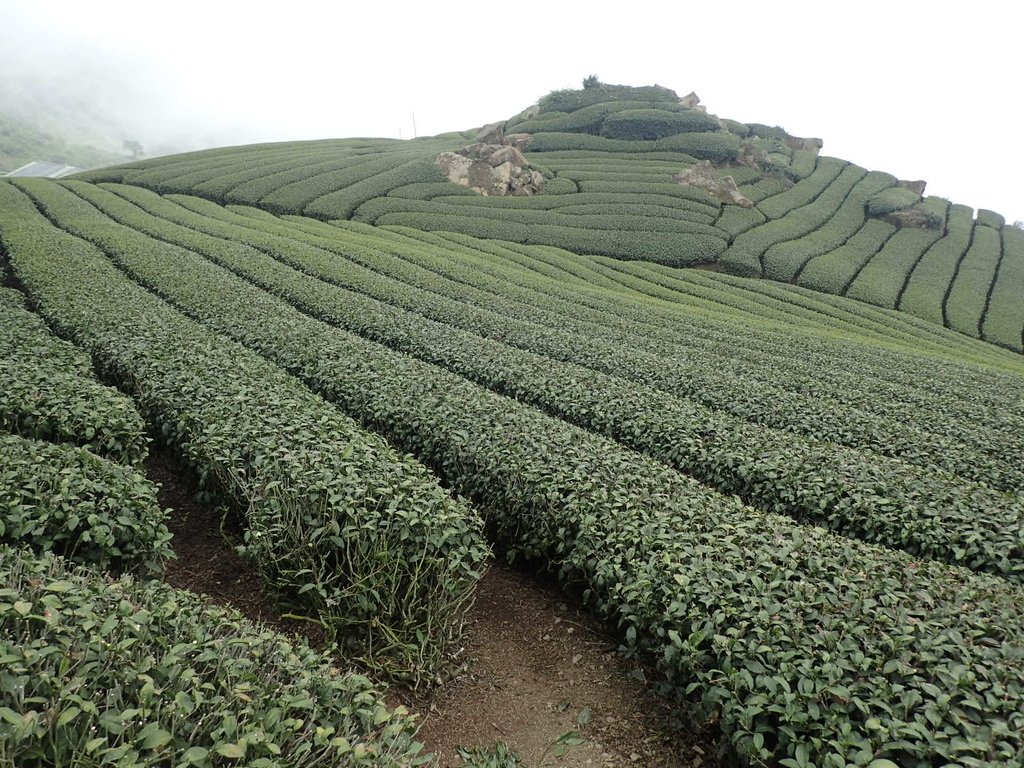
(414, 125)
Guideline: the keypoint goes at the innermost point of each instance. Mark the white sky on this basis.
(924, 90)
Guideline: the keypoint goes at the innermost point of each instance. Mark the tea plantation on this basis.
(798, 501)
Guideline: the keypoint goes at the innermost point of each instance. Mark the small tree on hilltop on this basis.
(591, 81)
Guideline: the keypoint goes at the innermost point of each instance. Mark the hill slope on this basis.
(610, 157)
(802, 511)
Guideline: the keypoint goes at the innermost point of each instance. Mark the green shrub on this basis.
(560, 186)
(882, 280)
(803, 192)
(991, 219)
(831, 229)
(892, 199)
(762, 131)
(427, 190)
(671, 248)
(648, 124)
(141, 674)
(290, 193)
(326, 503)
(571, 100)
(342, 203)
(716, 146)
(930, 279)
(734, 126)
(968, 295)
(736, 220)
(69, 501)
(765, 188)
(803, 162)
(1004, 320)
(834, 270)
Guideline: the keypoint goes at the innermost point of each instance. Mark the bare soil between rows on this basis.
(537, 668)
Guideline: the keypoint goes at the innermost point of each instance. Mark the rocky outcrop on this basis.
(690, 101)
(914, 186)
(811, 145)
(494, 165)
(703, 176)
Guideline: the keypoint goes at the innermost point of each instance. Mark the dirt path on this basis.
(538, 669)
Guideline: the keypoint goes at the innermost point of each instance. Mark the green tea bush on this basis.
(48, 403)
(762, 131)
(975, 275)
(736, 220)
(588, 119)
(648, 124)
(734, 126)
(560, 186)
(341, 204)
(785, 261)
(991, 219)
(572, 100)
(101, 672)
(701, 199)
(716, 146)
(677, 249)
(931, 277)
(355, 535)
(759, 190)
(748, 254)
(883, 277)
(1004, 321)
(69, 501)
(892, 199)
(427, 190)
(719, 146)
(293, 196)
(804, 162)
(834, 270)
(803, 192)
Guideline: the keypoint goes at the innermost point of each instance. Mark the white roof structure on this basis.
(43, 170)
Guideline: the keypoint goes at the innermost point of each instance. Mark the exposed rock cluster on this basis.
(723, 188)
(494, 165)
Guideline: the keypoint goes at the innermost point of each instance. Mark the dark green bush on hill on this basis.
(570, 100)
(648, 124)
(891, 200)
(766, 131)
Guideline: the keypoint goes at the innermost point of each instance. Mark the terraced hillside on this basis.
(611, 158)
(802, 512)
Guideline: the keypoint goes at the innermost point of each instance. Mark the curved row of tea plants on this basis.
(747, 253)
(701, 376)
(926, 288)
(798, 643)
(785, 261)
(967, 298)
(881, 281)
(882, 501)
(404, 269)
(1005, 315)
(124, 673)
(859, 390)
(67, 500)
(63, 439)
(358, 534)
(49, 393)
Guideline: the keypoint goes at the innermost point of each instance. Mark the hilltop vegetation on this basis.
(802, 513)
